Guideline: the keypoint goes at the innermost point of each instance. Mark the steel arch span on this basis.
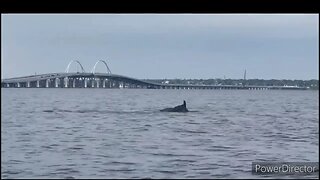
(104, 62)
(67, 70)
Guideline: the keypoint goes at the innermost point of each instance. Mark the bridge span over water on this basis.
(108, 80)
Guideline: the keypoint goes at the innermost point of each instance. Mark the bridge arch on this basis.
(67, 70)
(105, 63)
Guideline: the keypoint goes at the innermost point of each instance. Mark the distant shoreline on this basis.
(312, 84)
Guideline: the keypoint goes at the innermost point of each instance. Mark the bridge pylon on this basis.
(95, 65)
(67, 70)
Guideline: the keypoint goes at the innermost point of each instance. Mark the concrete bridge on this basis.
(108, 80)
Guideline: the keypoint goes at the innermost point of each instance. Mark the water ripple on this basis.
(99, 133)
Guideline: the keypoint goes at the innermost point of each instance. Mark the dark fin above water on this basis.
(180, 108)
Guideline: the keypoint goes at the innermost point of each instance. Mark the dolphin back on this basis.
(180, 108)
(167, 110)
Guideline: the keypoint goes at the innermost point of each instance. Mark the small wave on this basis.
(75, 148)
(65, 111)
(182, 160)
(192, 123)
(49, 111)
(46, 147)
(196, 132)
(65, 171)
(173, 155)
(103, 156)
(69, 177)
(166, 171)
(219, 148)
(190, 131)
(15, 161)
(291, 111)
(11, 172)
(125, 163)
(121, 170)
(269, 115)
(252, 100)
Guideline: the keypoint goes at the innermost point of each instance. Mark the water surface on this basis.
(120, 133)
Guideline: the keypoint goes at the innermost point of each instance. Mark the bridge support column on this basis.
(104, 83)
(66, 82)
(85, 82)
(73, 82)
(61, 81)
(18, 85)
(47, 83)
(92, 83)
(38, 84)
(28, 84)
(98, 82)
(56, 83)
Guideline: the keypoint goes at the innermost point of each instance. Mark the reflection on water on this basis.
(120, 133)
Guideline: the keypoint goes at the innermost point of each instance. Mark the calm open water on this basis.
(120, 133)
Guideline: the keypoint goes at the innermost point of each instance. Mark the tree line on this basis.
(312, 84)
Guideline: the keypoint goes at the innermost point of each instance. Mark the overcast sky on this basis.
(163, 45)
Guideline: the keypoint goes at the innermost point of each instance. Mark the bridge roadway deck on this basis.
(122, 81)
